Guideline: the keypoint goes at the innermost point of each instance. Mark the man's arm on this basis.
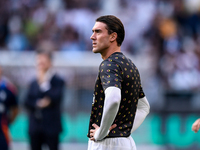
(30, 99)
(111, 106)
(55, 93)
(142, 111)
(13, 112)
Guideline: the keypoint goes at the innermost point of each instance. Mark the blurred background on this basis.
(162, 39)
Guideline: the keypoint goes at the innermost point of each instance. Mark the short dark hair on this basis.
(45, 52)
(113, 24)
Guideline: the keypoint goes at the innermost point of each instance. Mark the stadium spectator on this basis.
(43, 102)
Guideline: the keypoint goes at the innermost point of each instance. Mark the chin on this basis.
(95, 50)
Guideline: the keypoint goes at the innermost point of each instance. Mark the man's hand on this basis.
(196, 126)
(92, 131)
(43, 102)
(96, 127)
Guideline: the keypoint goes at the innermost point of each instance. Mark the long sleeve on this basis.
(111, 106)
(30, 100)
(142, 111)
(55, 92)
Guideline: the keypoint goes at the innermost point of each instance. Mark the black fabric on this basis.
(39, 139)
(3, 142)
(120, 72)
(47, 120)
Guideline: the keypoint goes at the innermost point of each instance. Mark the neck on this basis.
(42, 72)
(110, 52)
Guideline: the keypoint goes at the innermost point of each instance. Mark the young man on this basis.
(8, 109)
(119, 104)
(43, 104)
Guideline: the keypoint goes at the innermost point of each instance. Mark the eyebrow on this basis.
(96, 30)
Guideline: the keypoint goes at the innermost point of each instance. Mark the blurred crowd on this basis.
(66, 24)
(174, 36)
(167, 31)
(26, 23)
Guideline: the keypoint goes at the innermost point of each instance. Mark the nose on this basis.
(92, 37)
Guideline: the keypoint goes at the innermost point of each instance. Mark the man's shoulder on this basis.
(109, 63)
(33, 80)
(6, 82)
(56, 77)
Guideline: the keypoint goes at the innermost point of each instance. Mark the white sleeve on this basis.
(142, 111)
(110, 109)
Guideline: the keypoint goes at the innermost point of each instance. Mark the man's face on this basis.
(100, 38)
(43, 62)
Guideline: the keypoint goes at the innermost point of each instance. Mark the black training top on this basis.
(120, 72)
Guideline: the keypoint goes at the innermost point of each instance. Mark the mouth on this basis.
(94, 44)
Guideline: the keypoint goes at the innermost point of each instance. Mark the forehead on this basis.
(99, 25)
(42, 56)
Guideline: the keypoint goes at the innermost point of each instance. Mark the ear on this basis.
(113, 36)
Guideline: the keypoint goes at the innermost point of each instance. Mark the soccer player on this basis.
(119, 103)
(43, 104)
(8, 109)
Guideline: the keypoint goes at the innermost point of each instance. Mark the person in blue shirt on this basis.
(8, 109)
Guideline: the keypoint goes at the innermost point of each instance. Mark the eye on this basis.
(97, 31)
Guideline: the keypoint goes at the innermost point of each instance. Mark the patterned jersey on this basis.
(7, 100)
(120, 72)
